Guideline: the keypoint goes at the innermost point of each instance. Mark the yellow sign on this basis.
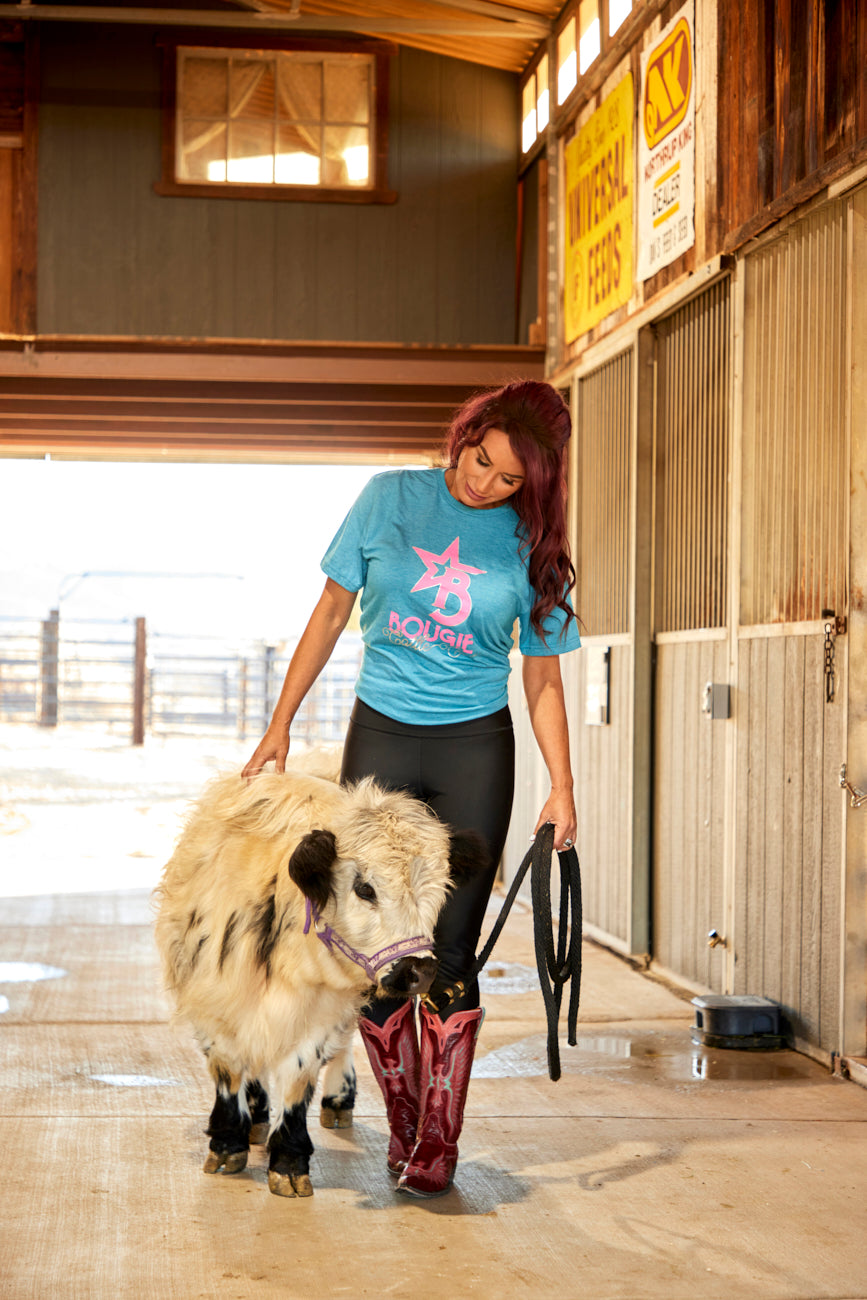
(598, 227)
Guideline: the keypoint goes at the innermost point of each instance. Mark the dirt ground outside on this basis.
(84, 811)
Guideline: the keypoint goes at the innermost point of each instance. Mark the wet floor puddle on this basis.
(135, 1081)
(643, 1059)
(28, 972)
(25, 972)
(666, 1056)
(502, 977)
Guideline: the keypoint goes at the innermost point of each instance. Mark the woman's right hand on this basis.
(274, 744)
(312, 653)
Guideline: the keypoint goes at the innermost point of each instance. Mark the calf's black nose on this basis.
(410, 976)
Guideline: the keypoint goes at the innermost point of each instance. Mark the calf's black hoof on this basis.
(333, 1115)
(289, 1184)
(230, 1162)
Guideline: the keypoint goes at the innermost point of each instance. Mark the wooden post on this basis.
(268, 686)
(139, 683)
(242, 699)
(49, 670)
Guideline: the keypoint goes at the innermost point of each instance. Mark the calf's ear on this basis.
(311, 863)
(468, 856)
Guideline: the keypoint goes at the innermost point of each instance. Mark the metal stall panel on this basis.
(603, 751)
(792, 672)
(602, 507)
(690, 619)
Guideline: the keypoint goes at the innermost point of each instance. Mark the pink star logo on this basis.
(454, 580)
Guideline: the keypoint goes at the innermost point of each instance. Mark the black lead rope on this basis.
(555, 969)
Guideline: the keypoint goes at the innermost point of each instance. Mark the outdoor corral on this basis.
(662, 208)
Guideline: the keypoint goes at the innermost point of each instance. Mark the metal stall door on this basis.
(598, 681)
(691, 633)
(791, 734)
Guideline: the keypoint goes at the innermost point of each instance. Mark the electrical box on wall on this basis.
(717, 700)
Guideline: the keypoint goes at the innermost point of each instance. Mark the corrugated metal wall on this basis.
(791, 736)
(603, 531)
(689, 813)
(794, 456)
(604, 452)
(790, 825)
(692, 450)
(602, 755)
(690, 600)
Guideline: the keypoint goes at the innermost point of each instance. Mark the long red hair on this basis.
(537, 423)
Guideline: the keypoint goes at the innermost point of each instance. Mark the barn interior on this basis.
(142, 320)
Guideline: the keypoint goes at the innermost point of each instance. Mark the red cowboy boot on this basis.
(447, 1049)
(393, 1054)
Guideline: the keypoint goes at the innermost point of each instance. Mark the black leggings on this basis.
(465, 772)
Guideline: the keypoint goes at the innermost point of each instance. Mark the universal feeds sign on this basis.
(602, 190)
(599, 182)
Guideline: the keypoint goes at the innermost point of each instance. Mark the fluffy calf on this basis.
(261, 870)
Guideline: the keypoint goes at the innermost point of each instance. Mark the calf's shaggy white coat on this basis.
(270, 1004)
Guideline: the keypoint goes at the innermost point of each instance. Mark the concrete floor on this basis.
(653, 1168)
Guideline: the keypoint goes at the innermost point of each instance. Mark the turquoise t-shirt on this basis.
(442, 585)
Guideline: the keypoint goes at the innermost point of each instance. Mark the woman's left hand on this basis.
(560, 809)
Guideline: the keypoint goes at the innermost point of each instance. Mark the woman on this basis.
(447, 562)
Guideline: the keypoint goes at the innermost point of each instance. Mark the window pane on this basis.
(542, 106)
(567, 62)
(288, 118)
(202, 152)
(251, 153)
(204, 88)
(528, 114)
(590, 43)
(347, 92)
(300, 90)
(618, 12)
(347, 156)
(297, 161)
(251, 89)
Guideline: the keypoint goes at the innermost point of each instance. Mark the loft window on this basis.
(579, 42)
(589, 39)
(618, 12)
(304, 123)
(535, 110)
(567, 62)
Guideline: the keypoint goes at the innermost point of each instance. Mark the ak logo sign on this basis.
(667, 85)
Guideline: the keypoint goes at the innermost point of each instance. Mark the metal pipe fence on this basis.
(118, 675)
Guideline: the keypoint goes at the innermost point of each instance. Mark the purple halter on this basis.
(370, 965)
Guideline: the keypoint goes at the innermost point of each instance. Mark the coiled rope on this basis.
(556, 968)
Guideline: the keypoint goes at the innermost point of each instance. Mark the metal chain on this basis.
(830, 645)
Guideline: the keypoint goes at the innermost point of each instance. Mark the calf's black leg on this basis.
(338, 1086)
(290, 1151)
(228, 1129)
(260, 1112)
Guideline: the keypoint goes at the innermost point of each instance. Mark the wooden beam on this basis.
(805, 190)
(232, 360)
(490, 29)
